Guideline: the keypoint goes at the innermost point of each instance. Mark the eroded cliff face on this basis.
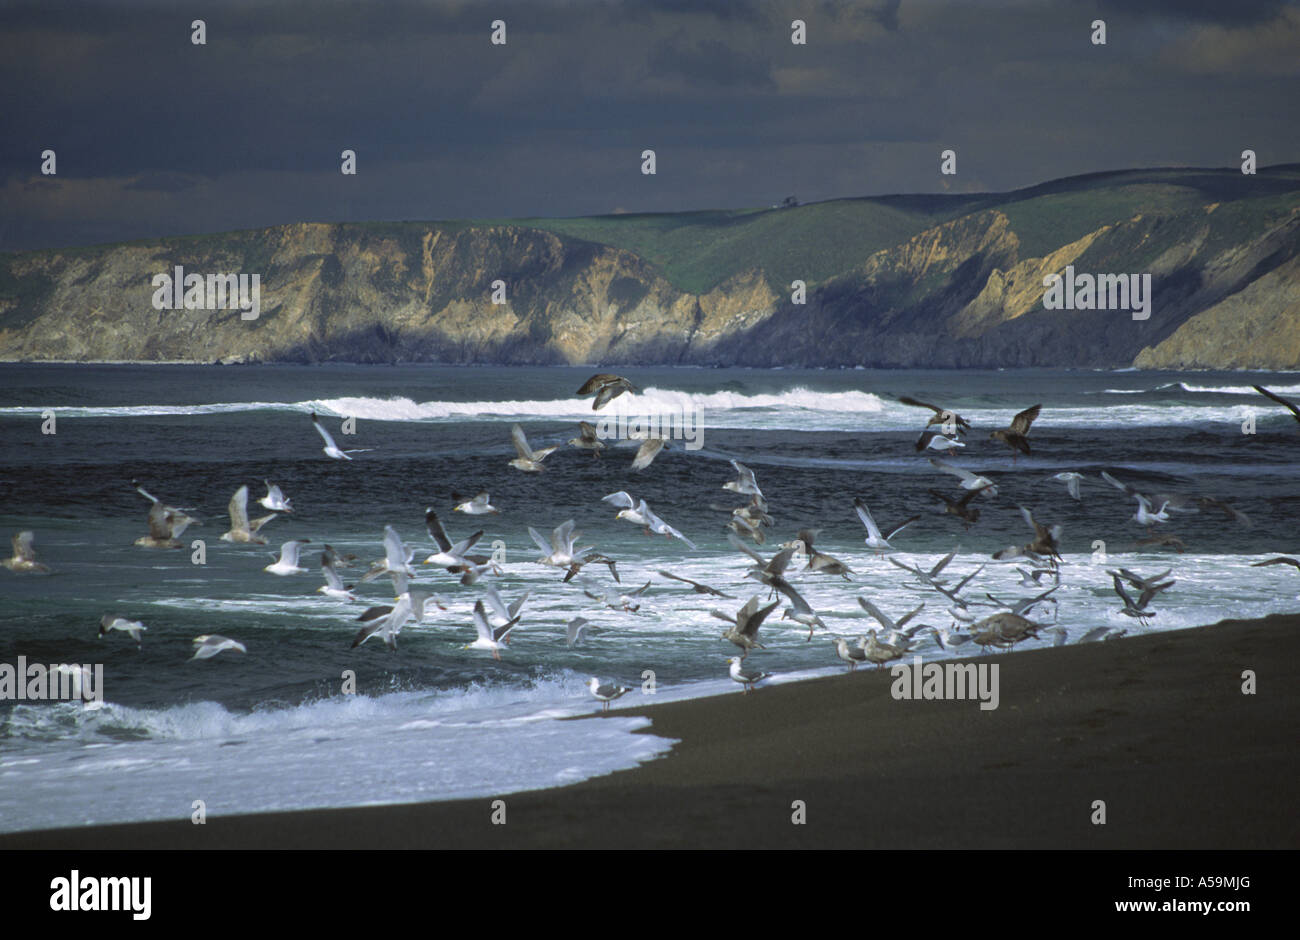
(961, 293)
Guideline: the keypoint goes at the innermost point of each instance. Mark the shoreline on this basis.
(1157, 726)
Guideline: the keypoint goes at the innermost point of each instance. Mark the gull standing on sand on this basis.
(23, 560)
(853, 655)
(607, 387)
(606, 693)
(746, 677)
(874, 539)
(478, 506)
(274, 499)
(528, 460)
(210, 644)
(287, 563)
(241, 530)
(132, 628)
(331, 449)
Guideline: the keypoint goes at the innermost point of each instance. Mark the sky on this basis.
(154, 135)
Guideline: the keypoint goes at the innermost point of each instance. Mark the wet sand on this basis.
(1156, 726)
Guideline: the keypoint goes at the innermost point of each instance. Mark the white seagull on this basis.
(210, 644)
(274, 499)
(241, 529)
(874, 539)
(331, 449)
(287, 563)
(606, 693)
(529, 460)
(133, 628)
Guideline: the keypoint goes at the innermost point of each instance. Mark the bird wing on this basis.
(436, 531)
(905, 400)
(899, 528)
(865, 515)
(331, 573)
(1021, 422)
(160, 518)
(521, 443)
(596, 381)
(876, 612)
(320, 428)
(622, 499)
(481, 623)
(647, 452)
(541, 541)
(238, 509)
(394, 551)
(1279, 399)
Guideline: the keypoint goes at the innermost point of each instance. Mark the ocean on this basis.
(275, 730)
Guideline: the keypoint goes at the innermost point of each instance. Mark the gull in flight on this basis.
(1144, 515)
(969, 481)
(1071, 481)
(745, 624)
(800, 612)
(647, 452)
(132, 628)
(490, 638)
(587, 439)
(397, 558)
(744, 484)
(606, 693)
(1279, 560)
(287, 563)
(166, 523)
(1017, 435)
(478, 506)
(934, 440)
(23, 560)
(641, 514)
(449, 555)
(949, 419)
(607, 387)
(1138, 609)
(331, 449)
(696, 586)
(333, 586)
(961, 508)
(615, 600)
(241, 530)
(930, 577)
(889, 624)
(874, 538)
(502, 615)
(386, 622)
(746, 677)
(819, 561)
(210, 644)
(274, 499)
(577, 631)
(529, 460)
(1046, 541)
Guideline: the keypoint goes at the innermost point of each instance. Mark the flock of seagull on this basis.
(986, 621)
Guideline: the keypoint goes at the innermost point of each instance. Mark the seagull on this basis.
(947, 639)
(744, 484)
(930, 577)
(333, 586)
(969, 481)
(397, 558)
(606, 693)
(166, 523)
(1138, 609)
(1280, 560)
(1016, 436)
(877, 652)
(331, 449)
(558, 552)
(769, 571)
(696, 586)
(241, 530)
(961, 508)
(133, 628)
(386, 622)
(1144, 515)
(744, 632)
(1032, 577)
(587, 439)
(1047, 541)
(478, 506)
(853, 655)
(1290, 406)
(489, 638)
(1171, 541)
(641, 514)
(450, 556)
(615, 600)
(820, 561)
(1004, 630)
(210, 644)
(884, 619)
(577, 631)
(274, 499)
(607, 388)
(647, 452)
(941, 415)
(874, 538)
(1071, 481)
(529, 460)
(587, 558)
(501, 614)
(800, 612)
(934, 440)
(23, 560)
(288, 561)
(746, 677)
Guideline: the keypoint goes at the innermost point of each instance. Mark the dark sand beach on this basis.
(1156, 726)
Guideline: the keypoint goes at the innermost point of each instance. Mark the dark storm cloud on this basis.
(157, 136)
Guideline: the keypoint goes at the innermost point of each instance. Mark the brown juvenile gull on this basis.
(941, 415)
(607, 387)
(647, 452)
(745, 624)
(820, 561)
(166, 523)
(1016, 436)
(1279, 560)
(587, 439)
(961, 508)
(696, 586)
(744, 484)
(23, 560)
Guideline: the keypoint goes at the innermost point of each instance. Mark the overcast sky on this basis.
(155, 135)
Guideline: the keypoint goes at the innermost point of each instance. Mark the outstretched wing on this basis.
(1021, 422)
